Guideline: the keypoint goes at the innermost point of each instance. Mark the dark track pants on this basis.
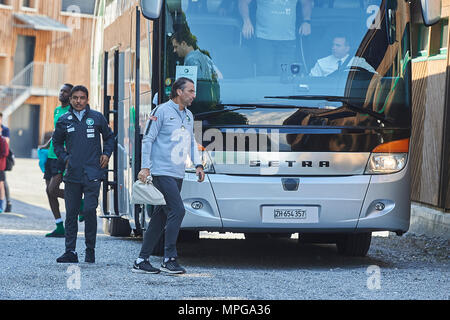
(72, 195)
(169, 217)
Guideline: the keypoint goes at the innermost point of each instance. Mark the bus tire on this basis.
(117, 227)
(256, 236)
(283, 235)
(354, 244)
(188, 236)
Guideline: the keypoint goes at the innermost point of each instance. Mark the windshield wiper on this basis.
(204, 115)
(230, 107)
(347, 101)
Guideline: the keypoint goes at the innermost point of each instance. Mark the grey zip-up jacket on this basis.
(168, 140)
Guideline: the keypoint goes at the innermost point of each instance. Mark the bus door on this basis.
(116, 187)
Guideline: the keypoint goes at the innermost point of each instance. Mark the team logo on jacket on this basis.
(90, 121)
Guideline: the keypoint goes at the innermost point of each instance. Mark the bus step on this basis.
(111, 216)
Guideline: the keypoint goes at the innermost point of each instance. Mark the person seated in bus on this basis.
(275, 31)
(339, 60)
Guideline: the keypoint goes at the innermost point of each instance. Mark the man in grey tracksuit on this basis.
(168, 140)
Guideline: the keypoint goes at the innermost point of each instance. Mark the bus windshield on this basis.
(290, 59)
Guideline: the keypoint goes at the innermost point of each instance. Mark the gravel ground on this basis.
(410, 268)
(221, 266)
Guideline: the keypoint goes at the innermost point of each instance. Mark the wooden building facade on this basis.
(43, 44)
(430, 142)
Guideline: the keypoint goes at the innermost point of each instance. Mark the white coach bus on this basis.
(303, 114)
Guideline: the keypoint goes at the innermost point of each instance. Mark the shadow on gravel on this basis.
(270, 253)
(23, 208)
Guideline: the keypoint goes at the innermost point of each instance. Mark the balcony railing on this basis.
(37, 78)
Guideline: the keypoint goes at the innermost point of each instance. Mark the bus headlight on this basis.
(383, 163)
(208, 166)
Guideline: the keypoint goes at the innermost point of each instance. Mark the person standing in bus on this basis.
(168, 140)
(208, 90)
(77, 142)
(185, 46)
(275, 31)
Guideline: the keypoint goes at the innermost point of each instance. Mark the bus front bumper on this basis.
(358, 203)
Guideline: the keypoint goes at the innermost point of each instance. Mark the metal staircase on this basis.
(36, 79)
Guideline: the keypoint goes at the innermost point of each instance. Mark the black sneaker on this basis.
(172, 267)
(68, 257)
(144, 267)
(90, 256)
(8, 207)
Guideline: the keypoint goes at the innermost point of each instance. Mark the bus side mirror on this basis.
(151, 9)
(431, 11)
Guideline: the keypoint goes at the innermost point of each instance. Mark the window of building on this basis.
(423, 40)
(430, 42)
(29, 4)
(79, 6)
(444, 36)
(5, 2)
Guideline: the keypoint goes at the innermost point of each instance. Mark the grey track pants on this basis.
(168, 217)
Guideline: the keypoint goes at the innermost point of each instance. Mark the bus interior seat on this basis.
(215, 31)
(221, 37)
(235, 62)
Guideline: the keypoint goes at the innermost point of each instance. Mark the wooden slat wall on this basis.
(72, 49)
(429, 101)
(419, 86)
(428, 112)
(6, 45)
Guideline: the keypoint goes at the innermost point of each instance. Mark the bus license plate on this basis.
(290, 214)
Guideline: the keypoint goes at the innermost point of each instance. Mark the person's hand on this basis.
(247, 29)
(200, 173)
(305, 29)
(104, 159)
(143, 174)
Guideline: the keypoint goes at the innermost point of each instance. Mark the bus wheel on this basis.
(117, 227)
(354, 244)
(256, 236)
(284, 235)
(188, 236)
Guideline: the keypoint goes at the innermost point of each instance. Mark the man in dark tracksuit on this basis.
(80, 130)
